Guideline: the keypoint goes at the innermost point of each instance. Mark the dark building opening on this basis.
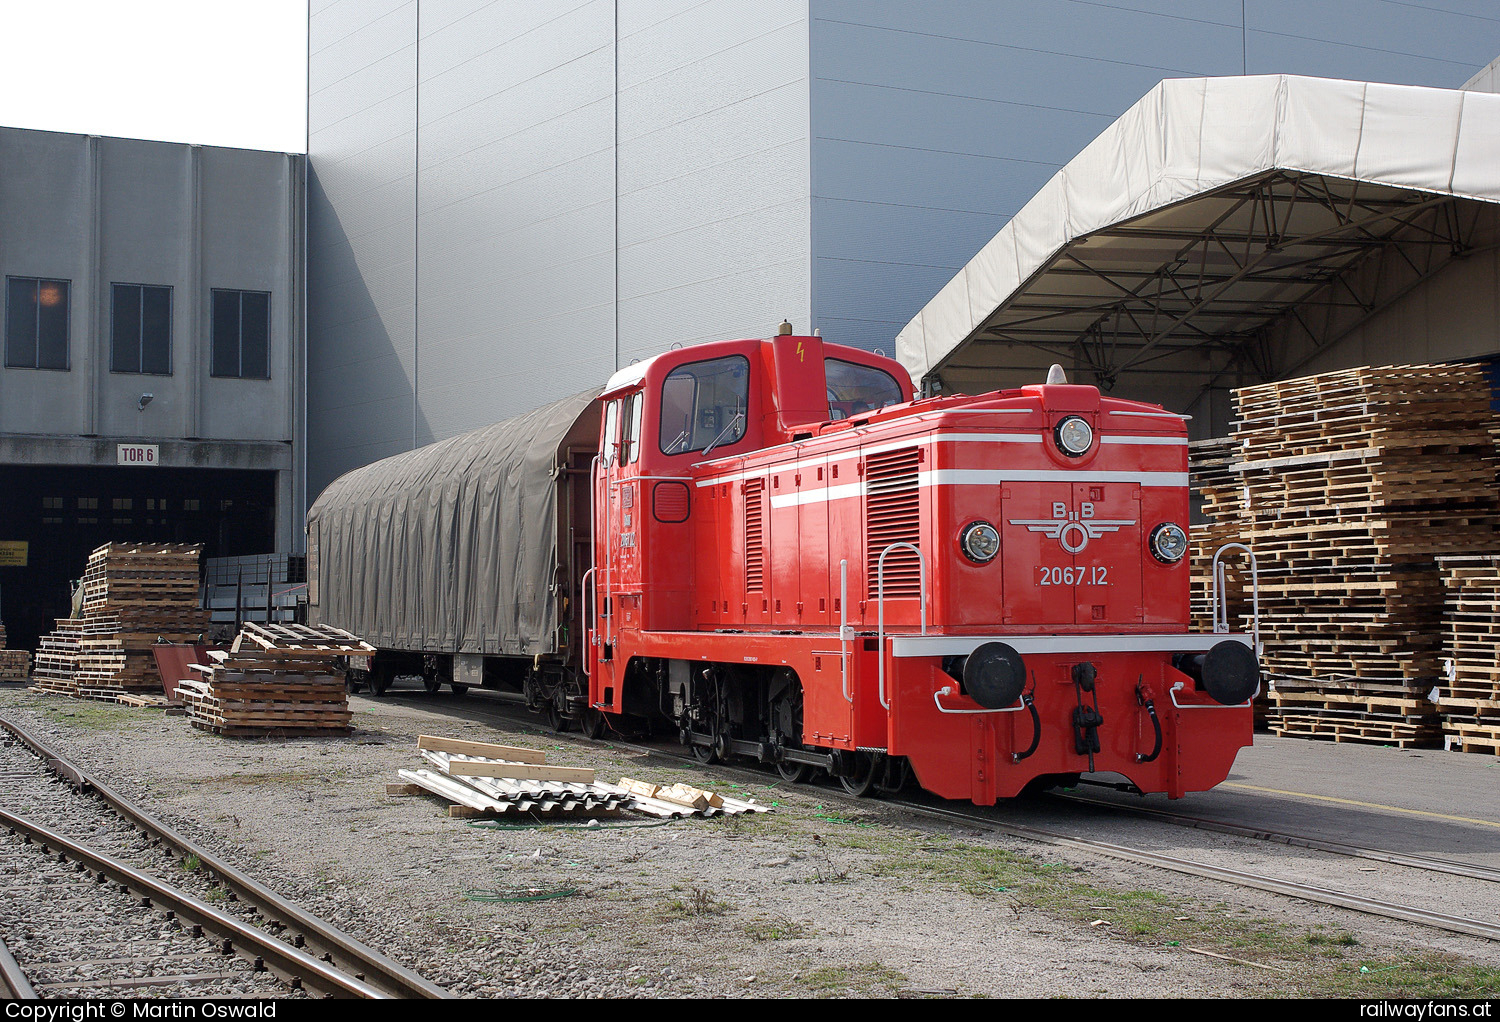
(63, 512)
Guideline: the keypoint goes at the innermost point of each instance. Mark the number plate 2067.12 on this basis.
(1085, 575)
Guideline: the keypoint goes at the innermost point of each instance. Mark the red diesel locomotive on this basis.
(782, 555)
(795, 561)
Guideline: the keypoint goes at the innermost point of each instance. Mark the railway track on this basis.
(977, 817)
(307, 952)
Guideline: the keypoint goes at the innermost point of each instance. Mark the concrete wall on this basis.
(98, 211)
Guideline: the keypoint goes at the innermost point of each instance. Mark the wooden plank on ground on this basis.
(459, 766)
(485, 750)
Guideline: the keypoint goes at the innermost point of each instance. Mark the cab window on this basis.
(854, 389)
(630, 445)
(703, 405)
(611, 432)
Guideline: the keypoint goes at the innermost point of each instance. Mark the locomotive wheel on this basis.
(593, 723)
(704, 753)
(862, 781)
(893, 775)
(793, 773)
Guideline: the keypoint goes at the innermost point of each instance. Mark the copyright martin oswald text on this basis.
(86, 1011)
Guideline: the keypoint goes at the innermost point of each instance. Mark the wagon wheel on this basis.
(861, 781)
(459, 690)
(555, 720)
(793, 773)
(380, 680)
(432, 683)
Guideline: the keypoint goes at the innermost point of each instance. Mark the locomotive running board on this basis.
(963, 645)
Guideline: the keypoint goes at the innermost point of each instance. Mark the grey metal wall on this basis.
(934, 123)
(361, 202)
(591, 183)
(97, 211)
(594, 181)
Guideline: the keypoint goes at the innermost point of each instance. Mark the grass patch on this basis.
(85, 713)
(872, 979)
(697, 902)
(763, 930)
(192, 864)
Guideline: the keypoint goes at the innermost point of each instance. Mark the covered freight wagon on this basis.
(462, 561)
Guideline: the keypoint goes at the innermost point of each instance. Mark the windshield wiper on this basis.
(732, 423)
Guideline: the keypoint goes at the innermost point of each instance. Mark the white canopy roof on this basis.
(1210, 208)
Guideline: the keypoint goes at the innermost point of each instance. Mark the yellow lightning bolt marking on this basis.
(801, 355)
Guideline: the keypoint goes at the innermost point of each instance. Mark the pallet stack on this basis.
(15, 664)
(57, 658)
(275, 679)
(133, 595)
(1470, 697)
(1353, 483)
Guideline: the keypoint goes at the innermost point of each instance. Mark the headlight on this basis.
(1074, 436)
(980, 542)
(1168, 542)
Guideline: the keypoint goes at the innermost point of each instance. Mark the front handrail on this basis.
(1220, 600)
(947, 690)
(880, 604)
(1211, 706)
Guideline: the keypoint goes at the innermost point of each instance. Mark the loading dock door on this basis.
(63, 512)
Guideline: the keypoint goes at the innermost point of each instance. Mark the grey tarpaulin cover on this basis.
(451, 547)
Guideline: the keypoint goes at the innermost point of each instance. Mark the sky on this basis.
(209, 72)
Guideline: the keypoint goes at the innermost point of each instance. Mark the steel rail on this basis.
(1238, 878)
(297, 966)
(388, 977)
(13, 982)
(1467, 870)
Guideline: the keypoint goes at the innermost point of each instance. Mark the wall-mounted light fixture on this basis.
(144, 401)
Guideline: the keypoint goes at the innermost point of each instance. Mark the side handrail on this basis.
(1220, 599)
(586, 630)
(845, 632)
(880, 604)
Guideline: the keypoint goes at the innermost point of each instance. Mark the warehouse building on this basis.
(152, 379)
(509, 201)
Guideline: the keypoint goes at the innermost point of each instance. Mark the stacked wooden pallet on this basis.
(57, 657)
(1470, 697)
(1213, 481)
(281, 679)
(484, 779)
(15, 664)
(150, 591)
(1352, 484)
(133, 596)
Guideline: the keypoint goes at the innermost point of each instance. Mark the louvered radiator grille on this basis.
(893, 515)
(755, 536)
